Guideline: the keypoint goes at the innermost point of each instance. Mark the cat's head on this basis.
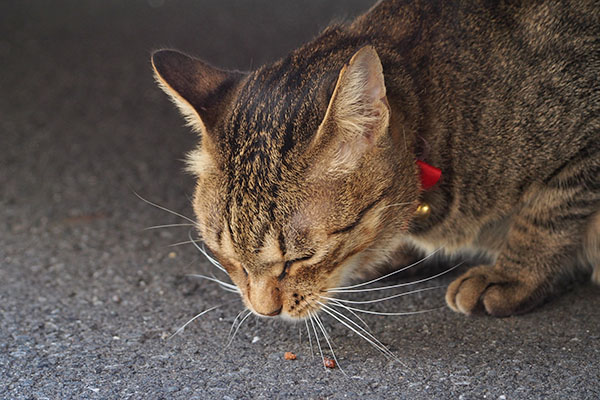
(302, 181)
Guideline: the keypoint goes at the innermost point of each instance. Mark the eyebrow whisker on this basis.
(165, 209)
(166, 226)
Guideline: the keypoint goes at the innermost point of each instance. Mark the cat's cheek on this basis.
(353, 268)
(239, 279)
(243, 293)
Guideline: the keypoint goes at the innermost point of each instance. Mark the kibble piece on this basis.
(329, 363)
(289, 355)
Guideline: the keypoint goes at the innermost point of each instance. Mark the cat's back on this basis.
(501, 94)
(524, 32)
(551, 20)
(515, 75)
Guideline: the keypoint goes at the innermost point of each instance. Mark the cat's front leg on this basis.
(544, 244)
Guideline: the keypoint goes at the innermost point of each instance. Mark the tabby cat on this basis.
(307, 172)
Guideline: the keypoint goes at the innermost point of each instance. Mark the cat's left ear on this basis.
(358, 112)
(199, 90)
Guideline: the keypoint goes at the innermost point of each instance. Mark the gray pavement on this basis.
(88, 299)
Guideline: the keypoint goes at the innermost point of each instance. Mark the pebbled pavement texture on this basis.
(89, 299)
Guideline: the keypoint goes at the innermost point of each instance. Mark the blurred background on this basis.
(78, 95)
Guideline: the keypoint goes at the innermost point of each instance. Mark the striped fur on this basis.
(306, 172)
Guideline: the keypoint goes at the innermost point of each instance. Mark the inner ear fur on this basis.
(358, 112)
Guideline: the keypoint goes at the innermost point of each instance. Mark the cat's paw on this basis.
(485, 290)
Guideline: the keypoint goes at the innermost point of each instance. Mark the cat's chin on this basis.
(288, 317)
(370, 264)
(292, 318)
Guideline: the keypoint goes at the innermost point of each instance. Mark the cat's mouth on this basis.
(302, 306)
(299, 306)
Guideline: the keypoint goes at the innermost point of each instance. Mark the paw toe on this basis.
(484, 290)
(503, 300)
(467, 297)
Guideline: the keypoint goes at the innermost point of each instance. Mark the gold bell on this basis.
(423, 210)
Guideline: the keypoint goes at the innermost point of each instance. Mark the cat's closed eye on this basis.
(286, 267)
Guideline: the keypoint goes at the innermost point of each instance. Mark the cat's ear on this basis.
(358, 112)
(199, 90)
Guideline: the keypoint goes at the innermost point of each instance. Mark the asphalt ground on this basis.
(89, 299)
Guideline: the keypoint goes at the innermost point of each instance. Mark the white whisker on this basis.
(334, 300)
(401, 313)
(230, 290)
(383, 298)
(234, 321)
(397, 285)
(369, 336)
(390, 274)
(238, 328)
(317, 340)
(178, 331)
(220, 282)
(326, 336)
(395, 205)
(358, 330)
(181, 243)
(166, 226)
(205, 253)
(312, 353)
(165, 209)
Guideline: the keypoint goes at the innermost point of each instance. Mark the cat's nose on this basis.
(265, 297)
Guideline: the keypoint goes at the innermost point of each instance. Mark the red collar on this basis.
(430, 175)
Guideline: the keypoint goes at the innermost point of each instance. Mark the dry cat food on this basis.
(329, 363)
(289, 355)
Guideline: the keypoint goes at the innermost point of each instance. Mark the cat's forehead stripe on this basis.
(271, 253)
(278, 108)
(261, 134)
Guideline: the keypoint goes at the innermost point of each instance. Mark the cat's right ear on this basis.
(199, 90)
(358, 112)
